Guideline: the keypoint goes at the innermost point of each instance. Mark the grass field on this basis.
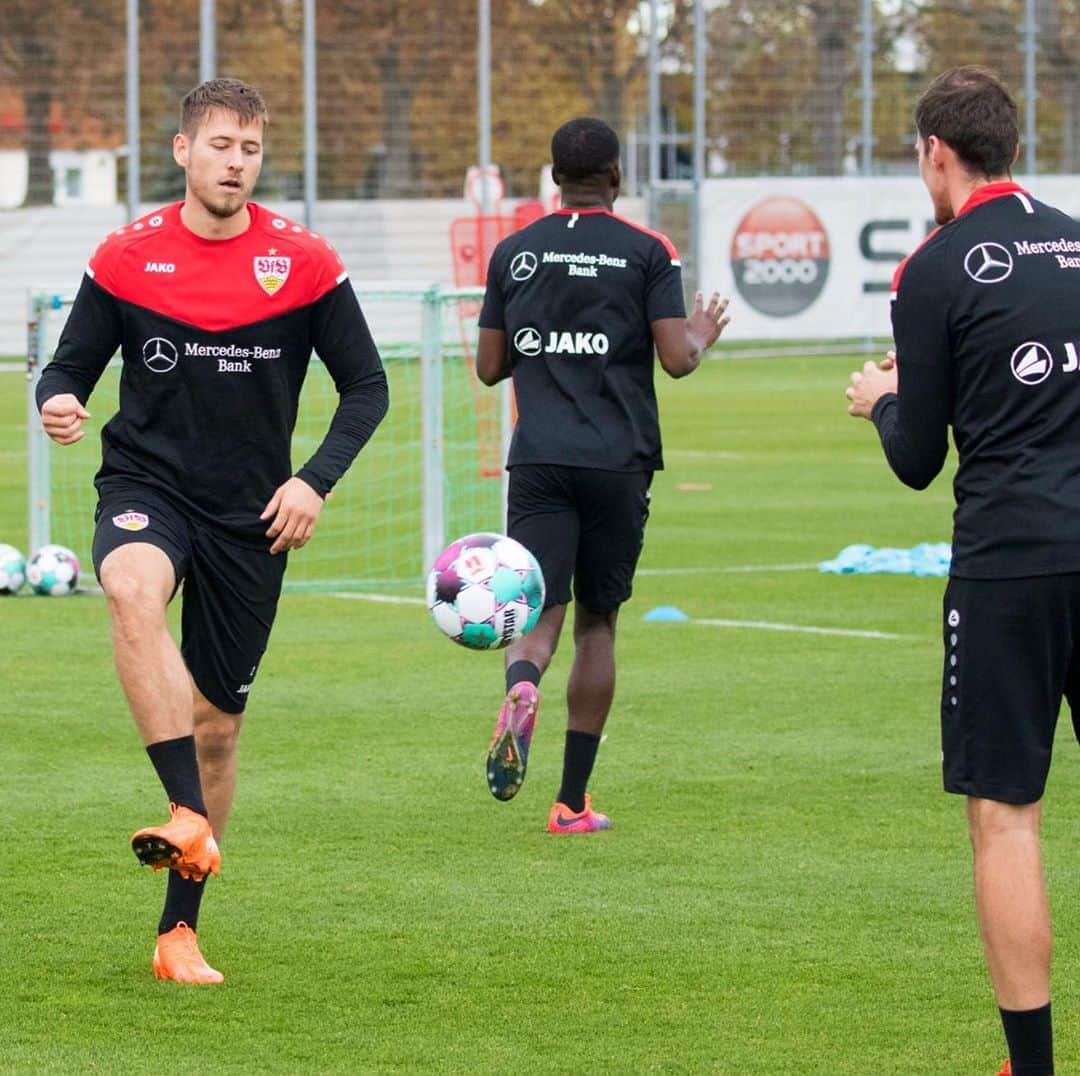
(785, 889)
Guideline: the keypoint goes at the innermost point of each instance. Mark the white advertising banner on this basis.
(814, 258)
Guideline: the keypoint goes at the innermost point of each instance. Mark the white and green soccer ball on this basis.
(53, 571)
(485, 591)
(12, 570)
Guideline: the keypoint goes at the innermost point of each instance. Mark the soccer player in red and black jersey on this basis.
(216, 305)
(987, 330)
(576, 308)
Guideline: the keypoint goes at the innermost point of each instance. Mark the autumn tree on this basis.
(61, 56)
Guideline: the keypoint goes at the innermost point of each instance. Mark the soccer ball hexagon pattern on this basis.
(485, 591)
(53, 571)
(12, 570)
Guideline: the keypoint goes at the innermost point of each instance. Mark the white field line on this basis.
(762, 625)
(386, 599)
(731, 569)
(703, 454)
(805, 629)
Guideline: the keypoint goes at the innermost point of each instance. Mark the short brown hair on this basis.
(226, 95)
(970, 109)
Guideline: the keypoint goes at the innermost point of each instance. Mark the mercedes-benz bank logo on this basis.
(528, 341)
(524, 265)
(1031, 363)
(988, 263)
(159, 354)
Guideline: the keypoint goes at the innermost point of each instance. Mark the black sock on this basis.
(1031, 1041)
(522, 670)
(182, 899)
(578, 759)
(178, 769)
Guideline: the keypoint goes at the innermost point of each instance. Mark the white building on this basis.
(80, 177)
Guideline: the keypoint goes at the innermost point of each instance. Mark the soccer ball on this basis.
(485, 591)
(54, 571)
(12, 569)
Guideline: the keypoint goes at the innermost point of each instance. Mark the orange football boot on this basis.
(177, 957)
(184, 844)
(562, 820)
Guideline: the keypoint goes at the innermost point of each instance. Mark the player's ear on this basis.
(616, 177)
(935, 150)
(555, 177)
(180, 149)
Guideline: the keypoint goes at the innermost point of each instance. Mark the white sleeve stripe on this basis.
(1025, 202)
(341, 277)
(675, 261)
(90, 272)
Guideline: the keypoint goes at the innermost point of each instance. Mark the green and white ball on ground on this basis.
(12, 570)
(485, 591)
(53, 571)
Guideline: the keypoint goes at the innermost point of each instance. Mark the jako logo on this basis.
(1031, 363)
(576, 344)
(780, 256)
(160, 267)
(529, 342)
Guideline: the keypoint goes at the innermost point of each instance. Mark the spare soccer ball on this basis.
(12, 569)
(54, 571)
(485, 591)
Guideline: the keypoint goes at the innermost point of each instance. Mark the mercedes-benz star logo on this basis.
(523, 266)
(159, 354)
(528, 341)
(988, 263)
(1031, 363)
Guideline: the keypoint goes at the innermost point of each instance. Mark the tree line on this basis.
(397, 104)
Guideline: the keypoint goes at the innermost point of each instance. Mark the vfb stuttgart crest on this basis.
(271, 271)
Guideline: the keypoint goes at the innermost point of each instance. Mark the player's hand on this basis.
(62, 418)
(869, 385)
(294, 510)
(706, 323)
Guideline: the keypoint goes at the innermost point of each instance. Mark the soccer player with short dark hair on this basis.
(577, 306)
(216, 304)
(987, 331)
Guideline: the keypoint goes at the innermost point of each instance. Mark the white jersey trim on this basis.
(1025, 201)
(90, 272)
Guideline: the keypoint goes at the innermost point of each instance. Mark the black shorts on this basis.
(230, 590)
(1012, 650)
(583, 525)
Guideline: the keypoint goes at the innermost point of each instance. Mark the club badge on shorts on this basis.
(131, 521)
(271, 271)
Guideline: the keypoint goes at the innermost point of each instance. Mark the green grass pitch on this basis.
(785, 889)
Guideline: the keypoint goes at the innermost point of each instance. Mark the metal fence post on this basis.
(37, 443)
(431, 426)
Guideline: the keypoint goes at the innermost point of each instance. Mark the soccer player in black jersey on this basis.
(216, 305)
(987, 331)
(577, 305)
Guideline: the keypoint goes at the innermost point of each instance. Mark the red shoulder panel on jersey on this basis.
(669, 246)
(898, 272)
(275, 266)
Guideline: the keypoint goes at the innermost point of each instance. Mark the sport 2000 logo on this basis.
(780, 257)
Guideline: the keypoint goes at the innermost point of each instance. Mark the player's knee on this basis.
(990, 821)
(134, 599)
(216, 733)
(589, 623)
